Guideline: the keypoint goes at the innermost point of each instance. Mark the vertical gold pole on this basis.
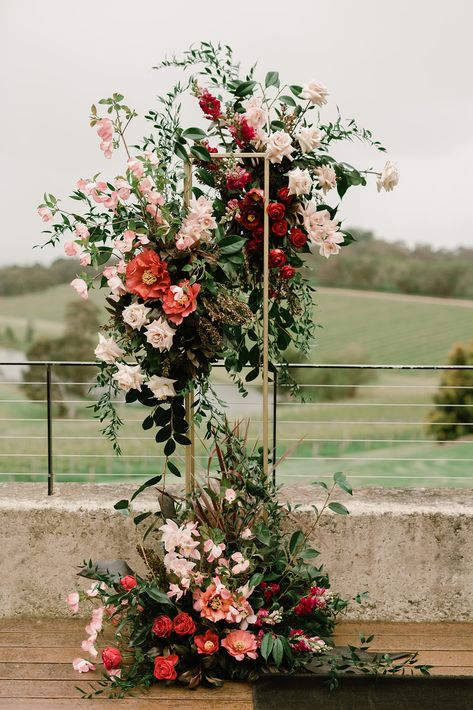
(266, 321)
(190, 449)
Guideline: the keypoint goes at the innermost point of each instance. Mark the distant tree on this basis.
(452, 416)
(76, 345)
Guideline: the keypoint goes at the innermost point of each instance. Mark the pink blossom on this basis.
(142, 238)
(91, 632)
(93, 591)
(136, 167)
(151, 157)
(45, 214)
(123, 189)
(84, 258)
(116, 286)
(241, 564)
(80, 287)
(83, 666)
(121, 267)
(125, 244)
(111, 201)
(230, 495)
(184, 241)
(88, 647)
(105, 132)
(146, 185)
(175, 591)
(215, 551)
(72, 601)
(155, 213)
(71, 249)
(240, 644)
(155, 198)
(81, 231)
(246, 534)
(109, 271)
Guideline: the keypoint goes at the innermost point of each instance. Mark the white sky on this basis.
(402, 69)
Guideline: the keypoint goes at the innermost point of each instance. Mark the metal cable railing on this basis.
(376, 430)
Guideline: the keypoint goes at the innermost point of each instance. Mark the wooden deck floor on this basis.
(36, 672)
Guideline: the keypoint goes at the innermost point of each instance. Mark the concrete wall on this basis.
(411, 549)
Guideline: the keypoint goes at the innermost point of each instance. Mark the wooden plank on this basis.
(47, 640)
(394, 628)
(38, 655)
(410, 642)
(43, 671)
(68, 689)
(25, 625)
(126, 704)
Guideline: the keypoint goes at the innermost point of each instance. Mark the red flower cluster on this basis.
(242, 133)
(269, 590)
(182, 625)
(314, 600)
(237, 179)
(210, 105)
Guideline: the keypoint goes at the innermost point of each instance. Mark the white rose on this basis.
(316, 93)
(160, 334)
(279, 146)
(129, 377)
(255, 114)
(326, 177)
(309, 138)
(389, 177)
(135, 315)
(161, 387)
(107, 350)
(300, 182)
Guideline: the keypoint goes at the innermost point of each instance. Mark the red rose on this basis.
(162, 626)
(180, 301)
(128, 582)
(284, 196)
(287, 272)
(207, 643)
(111, 657)
(297, 238)
(147, 275)
(183, 624)
(164, 667)
(210, 105)
(277, 257)
(279, 228)
(276, 210)
(257, 234)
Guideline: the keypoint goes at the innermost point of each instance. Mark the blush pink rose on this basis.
(71, 249)
(80, 287)
(45, 214)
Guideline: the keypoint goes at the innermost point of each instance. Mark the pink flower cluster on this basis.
(316, 599)
(181, 548)
(197, 224)
(322, 231)
(105, 133)
(302, 643)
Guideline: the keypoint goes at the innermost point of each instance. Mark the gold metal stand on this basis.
(190, 450)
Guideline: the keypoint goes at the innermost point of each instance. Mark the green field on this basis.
(377, 438)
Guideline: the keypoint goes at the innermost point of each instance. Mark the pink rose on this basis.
(81, 231)
(45, 214)
(72, 601)
(85, 259)
(71, 249)
(80, 287)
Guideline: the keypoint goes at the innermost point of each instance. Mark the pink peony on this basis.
(240, 644)
(45, 214)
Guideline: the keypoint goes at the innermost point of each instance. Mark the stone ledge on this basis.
(412, 549)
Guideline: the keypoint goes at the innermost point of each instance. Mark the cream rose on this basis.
(255, 114)
(309, 138)
(136, 315)
(315, 92)
(161, 387)
(326, 177)
(389, 177)
(129, 377)
(279, 146)
(107, 350)
(300, 182)
(160, 334)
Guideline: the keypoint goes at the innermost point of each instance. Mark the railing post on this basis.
(275, 414)
(50, 431)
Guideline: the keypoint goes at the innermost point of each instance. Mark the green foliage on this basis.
(452, 415)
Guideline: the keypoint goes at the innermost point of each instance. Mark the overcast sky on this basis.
(403, 69)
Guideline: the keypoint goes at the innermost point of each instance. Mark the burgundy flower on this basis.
(298, 238)
(277, 258)
(279, 228)
(250, 217)
(276, 210)
(287, 272)
(162, 626)
(210, 105)
(284, 196)
(183, 624)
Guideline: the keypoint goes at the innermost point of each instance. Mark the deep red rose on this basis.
(162, 626)
(164, 667)
(180, 301)
(279, 228)
(183, 624)
(207, 644)
(284, 196)
(210, 105)
(253, 246)
(128, 582)
(258, 234)
(147, 275)
(276, 210)
(277, 257)
(250, 217)
(298, 238)
(287, 272)
(111, 657)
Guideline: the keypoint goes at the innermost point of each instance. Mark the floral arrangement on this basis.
(228, 593)
(184, 277)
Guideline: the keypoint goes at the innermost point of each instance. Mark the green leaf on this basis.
(181, 439)
(296, 540)
(205, 176)
(287, 100)
(200, 153)
(296, 90)
(122, 504)
(231, 244)
(158, 596)
(272, 79)
(338, 508)
(256, 579)
(341, 481)
(267, 645)
(278, 651)
(244, 88)
(173, 469)
(262, 534)
(163, 434)
(180, 151)
(169, 447)
(142, 516)
(194, 134)
(145, 485)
